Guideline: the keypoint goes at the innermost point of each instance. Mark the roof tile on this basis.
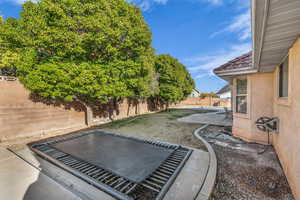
(226, 88)
(244, 61)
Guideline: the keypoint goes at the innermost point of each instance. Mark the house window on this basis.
(284, 78)
(241, 96)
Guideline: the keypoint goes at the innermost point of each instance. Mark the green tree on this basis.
(175, 82)
(211, 94)
(91, 50)
(8, 56)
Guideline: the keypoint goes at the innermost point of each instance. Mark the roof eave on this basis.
(259, 21)
(275, 28)
(235, 72)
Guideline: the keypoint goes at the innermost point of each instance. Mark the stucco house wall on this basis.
(259, 104)
(263, 100)
(287, 142)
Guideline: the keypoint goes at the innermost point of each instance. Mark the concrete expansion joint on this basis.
(211, 175)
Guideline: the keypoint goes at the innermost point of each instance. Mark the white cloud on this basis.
(202, 75)
(241, 4)
(203, 65)
(215, 2)
(146, 5)
(15, 1)
(241, 24)
(19, 1)
(161, 1)
(196, 60)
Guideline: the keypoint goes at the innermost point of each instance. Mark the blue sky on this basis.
(202, 34)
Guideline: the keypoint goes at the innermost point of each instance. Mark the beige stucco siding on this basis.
(263, 101)
(260, 103)
(287, 142)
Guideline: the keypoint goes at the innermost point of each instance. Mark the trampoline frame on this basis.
(167, 171)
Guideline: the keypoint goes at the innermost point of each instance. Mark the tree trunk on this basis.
(88, 114)
(167, 108)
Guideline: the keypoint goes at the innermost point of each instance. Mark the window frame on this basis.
(280, 88)
(237, 95)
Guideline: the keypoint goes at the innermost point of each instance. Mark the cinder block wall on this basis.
(23, 117)
(206, 102)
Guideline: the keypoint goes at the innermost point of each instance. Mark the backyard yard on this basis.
(244, 172)
(149, 99)
(161, 126)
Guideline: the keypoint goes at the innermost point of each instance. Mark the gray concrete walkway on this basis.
(21, 181)
(214, 118)
(194, 107)
(78, 188)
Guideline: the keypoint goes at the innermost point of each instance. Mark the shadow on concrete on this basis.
(21, 178)
(45, 188)
(53, 183)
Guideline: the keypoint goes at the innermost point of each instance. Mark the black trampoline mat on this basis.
(125, 157)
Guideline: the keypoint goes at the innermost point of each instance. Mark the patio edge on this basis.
(211, 175)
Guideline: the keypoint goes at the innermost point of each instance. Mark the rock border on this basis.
(211, 175)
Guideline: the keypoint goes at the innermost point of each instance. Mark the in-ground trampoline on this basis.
(124, 167)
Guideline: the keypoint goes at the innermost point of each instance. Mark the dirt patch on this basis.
(161, 126)
(244, 173)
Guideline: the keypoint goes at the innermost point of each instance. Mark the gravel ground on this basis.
(244, 173)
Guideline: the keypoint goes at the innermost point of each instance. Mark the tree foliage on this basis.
(8, 56)
(175, 82)
(93, 50)
(211, 94)
(89, 50)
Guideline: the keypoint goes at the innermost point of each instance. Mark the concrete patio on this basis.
(215, 118)
(24, 176)
(20, 180)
